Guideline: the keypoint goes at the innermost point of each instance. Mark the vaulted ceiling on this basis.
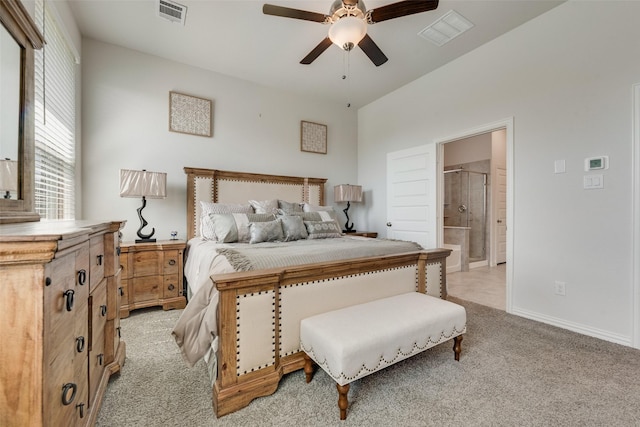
(235, 38)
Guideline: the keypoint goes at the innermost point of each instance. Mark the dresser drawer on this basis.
(124, 286)
(66, 337)
(124, 265)
(99, 311)
(96, 260)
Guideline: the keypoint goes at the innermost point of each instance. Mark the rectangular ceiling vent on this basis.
(447, 28)
(172, 11)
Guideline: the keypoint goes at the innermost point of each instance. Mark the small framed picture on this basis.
(313, 137)
(190, 114)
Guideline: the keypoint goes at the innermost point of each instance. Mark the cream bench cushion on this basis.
(356, 341)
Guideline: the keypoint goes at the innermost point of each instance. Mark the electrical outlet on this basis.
(560, 288)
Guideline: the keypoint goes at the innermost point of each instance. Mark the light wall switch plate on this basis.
(593, 182)
(559, 166)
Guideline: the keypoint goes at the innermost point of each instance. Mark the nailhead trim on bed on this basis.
(273, 323)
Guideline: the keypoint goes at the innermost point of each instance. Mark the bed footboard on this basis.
(259, 313)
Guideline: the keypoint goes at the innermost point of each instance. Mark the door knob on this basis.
(388, 224)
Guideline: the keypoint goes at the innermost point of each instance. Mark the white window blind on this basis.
(55, 92)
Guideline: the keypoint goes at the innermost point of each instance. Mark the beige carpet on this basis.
(513, 372)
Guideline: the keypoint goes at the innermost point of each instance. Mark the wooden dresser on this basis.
(59, 311)
(152, 274)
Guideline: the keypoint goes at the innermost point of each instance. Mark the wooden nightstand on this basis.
(371, 234)
(152, 275)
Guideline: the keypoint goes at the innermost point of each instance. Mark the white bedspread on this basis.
(196, 329)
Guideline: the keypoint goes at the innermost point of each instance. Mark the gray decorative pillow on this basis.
(265, 206)
(206, 208)
(293, 228)
(234, 227)
(322, 229)
(288, 207)
(270, 231)
(326, 212)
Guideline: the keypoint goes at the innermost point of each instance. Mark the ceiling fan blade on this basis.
(287, 12)
(322, 46)
(402, 8)
(372, 50)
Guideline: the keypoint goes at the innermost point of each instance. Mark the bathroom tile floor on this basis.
(482, 285)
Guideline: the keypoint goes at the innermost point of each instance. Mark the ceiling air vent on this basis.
(445, 29)
(172, 11)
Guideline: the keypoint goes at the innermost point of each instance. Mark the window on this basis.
(55, 93)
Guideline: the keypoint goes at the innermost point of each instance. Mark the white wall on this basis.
(467, 150)
(125, 107)
(566, 78)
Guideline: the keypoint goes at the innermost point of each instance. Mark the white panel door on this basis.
(411, 195)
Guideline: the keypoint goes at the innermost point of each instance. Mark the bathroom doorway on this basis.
(473, 174)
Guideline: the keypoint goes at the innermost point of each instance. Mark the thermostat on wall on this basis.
(596, 163)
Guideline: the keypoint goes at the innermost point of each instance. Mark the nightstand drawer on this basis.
(145, 263)
(146, 288)
(171, 262)
(171, 286)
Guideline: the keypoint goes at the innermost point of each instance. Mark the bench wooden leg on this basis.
(308, 367)
(343, 402)
(456, 347)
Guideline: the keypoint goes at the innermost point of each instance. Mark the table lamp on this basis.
(145, 184)
(347, 193)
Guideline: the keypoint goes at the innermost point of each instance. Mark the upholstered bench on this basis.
(356, 341)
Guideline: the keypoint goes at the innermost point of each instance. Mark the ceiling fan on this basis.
(349, 20)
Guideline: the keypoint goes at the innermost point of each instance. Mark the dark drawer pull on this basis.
(118, 250)
(80, 344)
(103, 310)
(171, 287)
(118, 329)
(121, 291)
(47, 281)
(66, 400)
(82, 277)
(69, 297)
(80, 406)
(172, 262)
(100, 357)
(99, 259)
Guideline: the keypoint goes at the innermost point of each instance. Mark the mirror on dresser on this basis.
(19, 38)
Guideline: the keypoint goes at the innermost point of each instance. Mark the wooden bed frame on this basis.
(259, 312)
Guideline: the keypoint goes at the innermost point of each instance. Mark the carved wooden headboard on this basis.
(210, 185)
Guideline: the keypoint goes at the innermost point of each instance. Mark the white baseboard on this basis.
(575, 327)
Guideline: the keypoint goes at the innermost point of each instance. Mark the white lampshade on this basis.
(347, 32)
(347, 193)
(152, 185)
(8, 175)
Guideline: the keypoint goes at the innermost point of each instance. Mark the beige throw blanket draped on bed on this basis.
(196, 328)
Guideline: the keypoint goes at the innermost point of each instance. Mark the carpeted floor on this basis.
(512, 372)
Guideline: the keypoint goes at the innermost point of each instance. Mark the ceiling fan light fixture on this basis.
(347, 32)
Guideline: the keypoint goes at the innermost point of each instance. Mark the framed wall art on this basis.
(190, 114)
(313, 137)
